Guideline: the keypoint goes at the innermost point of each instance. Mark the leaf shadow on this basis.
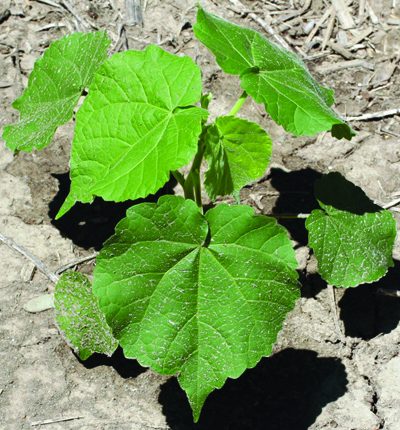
(366, 313)
(285, 391)
(296, 195)
(90, 225)
(125, 367)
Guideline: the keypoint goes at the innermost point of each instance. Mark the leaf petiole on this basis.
(179, 177)
(192, 186)
(238, 104)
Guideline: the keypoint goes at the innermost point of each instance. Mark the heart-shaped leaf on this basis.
(273, 76)
(79, 316)
(352, 237)
(238, 152)
(136, 125)
(204, 296)
(54, 88)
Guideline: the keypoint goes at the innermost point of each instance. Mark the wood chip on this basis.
(371, 13)
(383, 73)
(340, 50)
(133, 12)
(360, 37)
(343, 14)
(361, 8)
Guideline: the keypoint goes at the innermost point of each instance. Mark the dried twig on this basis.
(263, 24)
(67, 5)
(329, 30)
(59, 420)
(345, 65)
(387, 292)
(39, 264)
(374, 115)
(76, 262)
(391, 204)
(49, 3)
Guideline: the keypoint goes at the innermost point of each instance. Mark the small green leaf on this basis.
(273, 76)
(204, 296)
(136, 125)
(54, 88)
(79, 316)
(238, 152)
(352, 237)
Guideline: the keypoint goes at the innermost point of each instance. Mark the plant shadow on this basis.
(125, 367)
(296, 195)
(366, 313)
(285, 391)
(90, 225)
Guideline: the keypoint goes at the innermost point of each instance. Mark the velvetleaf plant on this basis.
(201, 295)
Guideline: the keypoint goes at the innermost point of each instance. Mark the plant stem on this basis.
(179, 177)
(238, 104)
(195, 174)
(192, 184)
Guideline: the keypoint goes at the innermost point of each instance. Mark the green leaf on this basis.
(352, 237)
(54, 88)
(273, 76)
(79, 316)
(204, 296)
(238, 152)
(136, 125)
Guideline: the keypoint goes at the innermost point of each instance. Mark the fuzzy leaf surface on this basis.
(273, 76)
(136, 125)
(80, 318)
(352, 237)
(54, 88)
(238, 152)
(204, 296)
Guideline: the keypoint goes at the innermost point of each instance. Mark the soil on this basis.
(336, 364)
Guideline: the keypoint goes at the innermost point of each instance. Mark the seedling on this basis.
(201, 295)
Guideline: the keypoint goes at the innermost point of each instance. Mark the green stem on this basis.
(195, 174)
(188, 187)
(192, 187)
(238, 104)
(179, 177)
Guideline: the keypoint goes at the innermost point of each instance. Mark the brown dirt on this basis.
(321, 375)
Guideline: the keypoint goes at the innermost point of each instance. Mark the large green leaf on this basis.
(238, 152)
(273, 76)
(79, 316)
(54, 88)
(204, 296)
(136, 125)
(352, 237)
